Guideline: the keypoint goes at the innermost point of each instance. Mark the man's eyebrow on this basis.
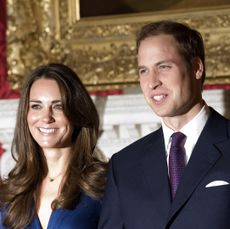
(164, 62)
(141, 66)
(157, 63)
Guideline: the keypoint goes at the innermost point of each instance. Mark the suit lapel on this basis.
(155, 171)
(203, 158)
(201, 161)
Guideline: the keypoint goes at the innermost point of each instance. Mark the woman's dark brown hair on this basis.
(85, 173)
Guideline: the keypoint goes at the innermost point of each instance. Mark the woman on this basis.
(57, 181)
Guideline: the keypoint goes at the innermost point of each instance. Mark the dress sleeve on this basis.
(1, 219)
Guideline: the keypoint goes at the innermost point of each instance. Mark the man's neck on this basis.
(177, 122)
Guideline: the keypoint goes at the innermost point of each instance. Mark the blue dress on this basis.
(84, 216)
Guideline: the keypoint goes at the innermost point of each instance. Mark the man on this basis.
(142, 190)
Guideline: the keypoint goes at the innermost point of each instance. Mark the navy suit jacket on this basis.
(138, 192)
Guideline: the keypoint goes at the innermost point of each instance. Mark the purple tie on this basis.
(176, 161)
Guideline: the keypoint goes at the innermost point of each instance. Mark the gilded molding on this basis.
(102, 49)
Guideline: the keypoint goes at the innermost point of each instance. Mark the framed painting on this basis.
(100, 47)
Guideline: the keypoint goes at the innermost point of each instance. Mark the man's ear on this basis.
(198, 67)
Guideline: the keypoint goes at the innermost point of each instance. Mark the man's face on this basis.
(169, 86)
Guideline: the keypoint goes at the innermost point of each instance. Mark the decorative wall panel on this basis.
(102, 49)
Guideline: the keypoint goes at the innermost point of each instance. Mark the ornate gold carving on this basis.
(101, 49)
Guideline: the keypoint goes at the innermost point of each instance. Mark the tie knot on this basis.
(177, 138)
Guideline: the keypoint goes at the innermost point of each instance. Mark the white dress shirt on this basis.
(191, 130)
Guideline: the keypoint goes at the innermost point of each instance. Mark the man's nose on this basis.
(154, 80)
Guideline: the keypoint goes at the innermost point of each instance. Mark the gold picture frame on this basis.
(102, 49)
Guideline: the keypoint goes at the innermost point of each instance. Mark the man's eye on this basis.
(142, 71)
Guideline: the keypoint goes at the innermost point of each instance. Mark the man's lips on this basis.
(159, 98)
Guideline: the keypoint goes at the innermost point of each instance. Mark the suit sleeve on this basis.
(111, 217)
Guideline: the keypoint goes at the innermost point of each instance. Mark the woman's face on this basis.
(46, 120)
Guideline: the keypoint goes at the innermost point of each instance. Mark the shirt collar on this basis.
(192, 129)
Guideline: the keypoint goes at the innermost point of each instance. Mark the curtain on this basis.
(5, 90)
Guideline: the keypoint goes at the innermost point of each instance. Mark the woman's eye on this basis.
(35, 106)
(58, 107)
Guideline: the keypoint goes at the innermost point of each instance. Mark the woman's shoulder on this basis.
(84, 215)
(87, 207)
(87, 201)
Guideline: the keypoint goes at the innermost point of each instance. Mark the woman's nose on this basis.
(47, 116)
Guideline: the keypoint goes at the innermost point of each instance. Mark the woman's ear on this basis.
(198, 67)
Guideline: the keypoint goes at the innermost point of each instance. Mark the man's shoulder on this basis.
(136, 148)
(215, 116)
